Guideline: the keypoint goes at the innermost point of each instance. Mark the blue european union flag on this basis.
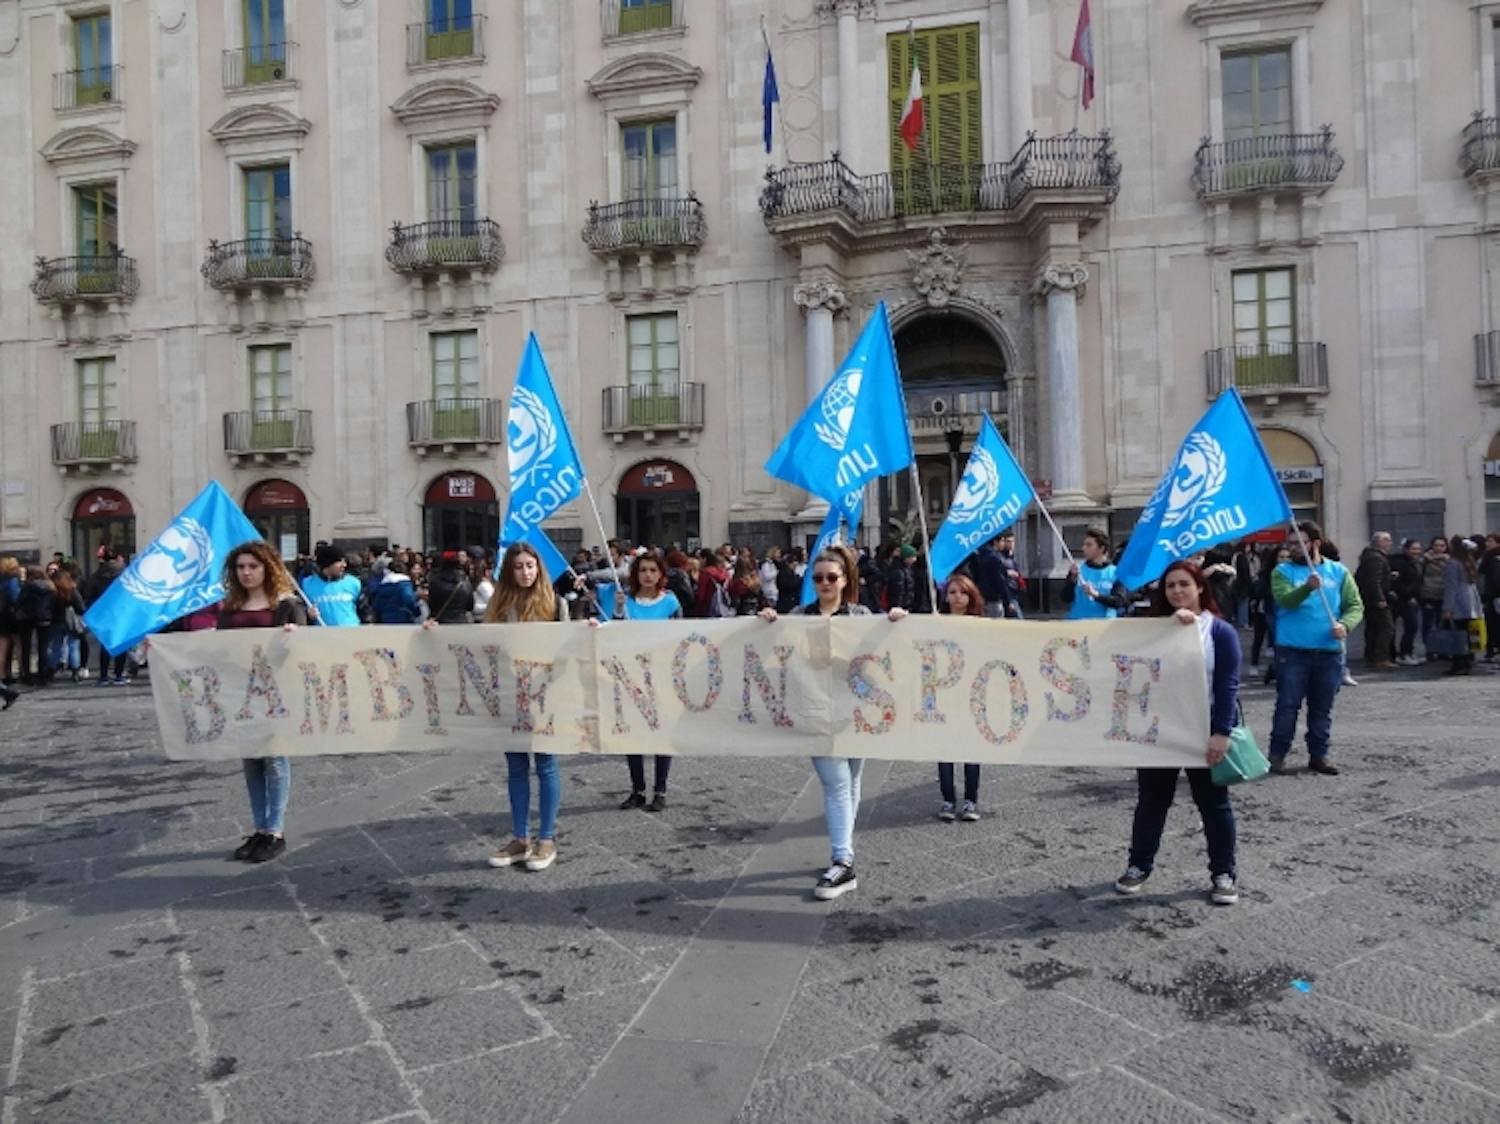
(1221, 486)
(545, 471)
(769, 95)
(840, 525)
(990, 497)
(855, 430)
(180, 572)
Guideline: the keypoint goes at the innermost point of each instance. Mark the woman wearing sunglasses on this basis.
(835, 575)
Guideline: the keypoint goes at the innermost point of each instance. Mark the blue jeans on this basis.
(1313, 675)
(62, 649)
(839, 777)
(1410, 617)
(549, 793)
(1432, 614)
(269, 780)
(1156, 788)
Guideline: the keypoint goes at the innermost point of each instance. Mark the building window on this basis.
(653, 369)
(1257, 94)
(450, 29)
(452, 182)
(98, 407)
(93, 58)
(271, 417)
(1492, 487)
(268, 202)
(1299, 470)
(97, 220)
(1265, 328)
(644, 15)
(265, 40)
(650, 160)
(943, 172)
(455, 385)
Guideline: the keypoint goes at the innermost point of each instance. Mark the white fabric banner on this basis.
(926, 688)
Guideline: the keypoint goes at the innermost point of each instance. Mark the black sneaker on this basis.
(837, 879)
(1324, 766)
(243, 852)
(1132, 880)
(1279, 767)
(10, 695)
(270, 846)
(634, 800)
(658, 802)
(1224, 891)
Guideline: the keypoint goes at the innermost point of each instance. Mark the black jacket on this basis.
(450, 597)
(900, 588)
(1406, 578)
(1373, 576)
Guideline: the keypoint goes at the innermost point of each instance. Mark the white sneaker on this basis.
(1224, 891)
(1350, 681)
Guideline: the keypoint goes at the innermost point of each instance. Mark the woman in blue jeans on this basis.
(259, 594)
(1184, 594)
(525, 595)
(835, 575)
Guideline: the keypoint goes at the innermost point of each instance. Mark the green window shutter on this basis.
(653, 369)
(93, 58)
(450, 29)
(1265, 327)
(455, 385)
(452, 183)
(265, 40)
(268, 202)
(98, 406)
(272, 425)
(952, 101)
(644, 15)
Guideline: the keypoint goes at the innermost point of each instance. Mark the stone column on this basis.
(1062, 286)
(1019, 61)
(848, 132)
(820, 301)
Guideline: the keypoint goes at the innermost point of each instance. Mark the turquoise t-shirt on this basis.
(664, 608)
(337, 601)
(1084, 607)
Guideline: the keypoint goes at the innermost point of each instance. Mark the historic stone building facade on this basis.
(298, 245)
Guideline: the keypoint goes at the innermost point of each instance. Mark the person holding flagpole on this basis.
(259, 593)
(1093, 591)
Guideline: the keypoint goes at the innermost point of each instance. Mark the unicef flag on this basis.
(553, 562)
(545, 471)
(1220, 487)
(990, 497)
(832, 532)
(855, 430)
(179, 573)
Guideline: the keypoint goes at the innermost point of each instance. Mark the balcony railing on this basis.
(252, 262)
(255, 66)
(448, 421)
(645, 224)
(1064, 163)
(943, 410)
(665, 406)
(89, 277)
(1276, 368)
(1253, 165)
(1487, 358)
(1481, 148)
(618, 18)
(76, 89)
(103, 442)
(247, 432)
(438, 40)
(425, 247)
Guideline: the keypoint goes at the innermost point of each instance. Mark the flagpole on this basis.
(1078, 101)
(1047, 515)
(1307, 554)
(916, 483)
(604, 540)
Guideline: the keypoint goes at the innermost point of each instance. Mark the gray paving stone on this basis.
(428, 1029)
(701, 1081)
(818, 1094)
(105, 991)
(164, 1093)
(1129, 1099)
(388, 981)
(1472, 1055)
(531, 1081)
(1054, 1034)
(1411, 995)
(931, 1070)
(1417, 1095)
(810, 1035)
(58, 1054)
(280, 978)
(265, 1037)
(593, 1022)
(343, 1088)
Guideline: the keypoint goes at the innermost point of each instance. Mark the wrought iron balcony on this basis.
(93, 443)
(645, 224)
(87, 277)
(79, 89)
(446, 244)
(1305, 162)
(652, 15)
(1277, 368)
(257, 433)
(1066, 163)
(256, 66)
(455, 421)
(445, 39)
(259, 263)
(1481, 148)
(677, 405)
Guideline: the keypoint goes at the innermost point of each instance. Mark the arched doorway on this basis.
(460, 510)
(1301, 474)
(1492, 486)
(102, 517)
(280, 513)
(954, 373)
(657, 503)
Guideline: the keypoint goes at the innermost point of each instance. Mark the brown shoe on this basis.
(1324, 766)
(516, 851)
(543, 854)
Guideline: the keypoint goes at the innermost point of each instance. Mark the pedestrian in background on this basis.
(1376, 584)
(1406, 589)
(1461, 601)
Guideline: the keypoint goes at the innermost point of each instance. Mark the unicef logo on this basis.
(180, 560)
(838, 409)
(531, 436)
(978, 488)
(1200, 472)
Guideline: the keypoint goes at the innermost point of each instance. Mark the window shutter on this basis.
(949, 60)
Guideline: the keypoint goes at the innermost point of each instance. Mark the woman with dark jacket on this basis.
(34, 612)
(745, 587)
(1406, 590)
(1489, 577)
(1432, 590)
(394, 599)
(1185, 595)
(788, 582)
(1461, 601)
(67, 626)
(450, 597)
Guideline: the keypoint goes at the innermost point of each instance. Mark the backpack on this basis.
(719, 602)
(682, 589)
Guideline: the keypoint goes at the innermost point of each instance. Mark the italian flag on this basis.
(1083, 53)
(911, 112)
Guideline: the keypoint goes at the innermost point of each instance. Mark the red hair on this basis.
(976, 602)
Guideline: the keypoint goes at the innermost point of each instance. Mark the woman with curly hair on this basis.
(259, 593)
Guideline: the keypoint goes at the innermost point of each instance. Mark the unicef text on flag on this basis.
(545, 472)
(990, 497)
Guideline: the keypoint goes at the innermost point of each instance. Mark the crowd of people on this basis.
(1297, 600)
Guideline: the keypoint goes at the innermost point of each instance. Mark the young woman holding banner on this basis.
(835, 574)
(259, 593)
(961, 599)
(525, 595)
(1184, 593)
(649, 600)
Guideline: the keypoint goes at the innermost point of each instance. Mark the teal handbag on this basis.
(1243, 760)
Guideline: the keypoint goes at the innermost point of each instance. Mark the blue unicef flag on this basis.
(833, 531)
(855, 430)
(553, 561)
(990, 497)
(545, 471)
(179, 573)
(1221, 486)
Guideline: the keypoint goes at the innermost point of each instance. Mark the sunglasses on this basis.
(827, 579)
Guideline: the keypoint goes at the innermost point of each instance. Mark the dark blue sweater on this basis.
(1224, 695)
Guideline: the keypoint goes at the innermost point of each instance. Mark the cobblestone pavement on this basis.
(671, 967)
